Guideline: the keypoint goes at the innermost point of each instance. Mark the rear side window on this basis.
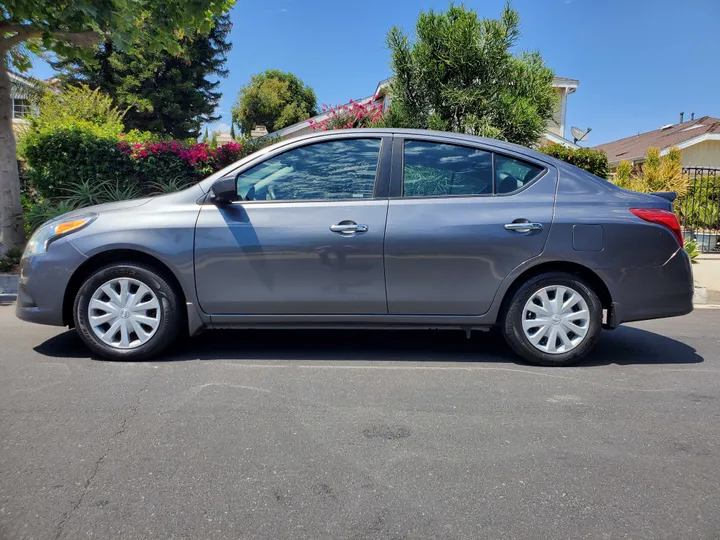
(433, 170)
(512, 174)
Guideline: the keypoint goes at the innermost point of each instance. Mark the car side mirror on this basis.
(224, 191)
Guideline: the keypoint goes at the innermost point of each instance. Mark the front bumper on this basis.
(43, 282)
(651, 292)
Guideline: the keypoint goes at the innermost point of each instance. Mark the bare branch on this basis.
(81, 39)
(24, 32)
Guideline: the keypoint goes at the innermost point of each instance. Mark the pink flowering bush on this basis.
(352, 115)
(71, 161)
(176, 162)
(228, 153)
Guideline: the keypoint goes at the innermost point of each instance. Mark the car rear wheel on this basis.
(553, 319)
(127, 311)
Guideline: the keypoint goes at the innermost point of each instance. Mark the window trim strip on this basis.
(399, 147)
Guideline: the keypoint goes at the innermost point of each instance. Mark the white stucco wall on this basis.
(704, 154)
(557, 124)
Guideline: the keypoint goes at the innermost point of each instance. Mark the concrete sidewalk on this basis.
(707, 279)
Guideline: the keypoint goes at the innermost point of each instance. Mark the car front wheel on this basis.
(127, 311)
(553, 319)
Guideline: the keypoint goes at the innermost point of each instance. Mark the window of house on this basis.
(512, 174)
(331, 170)
(21, 108)
(434, 169)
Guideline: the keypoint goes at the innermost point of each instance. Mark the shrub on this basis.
(10, 261)
(77, 154)
(701, 213)
(593, 161)
(61, 158)
(693, 250)
(45, 210)
(352, 115)
(165, 161)
(657, 173)
(228, 153)
(77, 106)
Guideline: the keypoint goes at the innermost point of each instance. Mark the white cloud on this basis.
(222, 128)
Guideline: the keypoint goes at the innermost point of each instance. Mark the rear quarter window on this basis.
(513, 174)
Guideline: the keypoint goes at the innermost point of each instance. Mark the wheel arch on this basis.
(104, 258)
(594, 281)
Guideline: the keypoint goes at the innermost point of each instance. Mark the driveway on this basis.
(359, 435)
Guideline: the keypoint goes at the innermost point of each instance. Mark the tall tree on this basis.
(273, 99)
(71, 28)
(461, 75)
(167, 94)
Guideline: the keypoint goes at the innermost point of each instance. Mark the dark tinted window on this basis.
(330, 170)
(512, 174)
(433, 169)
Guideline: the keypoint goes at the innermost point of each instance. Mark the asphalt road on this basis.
(352, 435)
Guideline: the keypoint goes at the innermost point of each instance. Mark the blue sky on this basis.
(639, 62)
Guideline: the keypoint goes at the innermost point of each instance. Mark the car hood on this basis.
(110, 207)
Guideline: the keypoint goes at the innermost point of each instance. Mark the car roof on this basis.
(445, 136)
(440, 135)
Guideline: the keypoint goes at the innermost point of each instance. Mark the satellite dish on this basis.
(578, 134)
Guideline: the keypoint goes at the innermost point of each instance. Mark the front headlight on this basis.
(54, 229)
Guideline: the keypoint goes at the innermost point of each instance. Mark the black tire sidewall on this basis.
(512, 323)
(169, 311)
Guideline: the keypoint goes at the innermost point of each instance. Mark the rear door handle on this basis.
(348, 228)
(523, 227)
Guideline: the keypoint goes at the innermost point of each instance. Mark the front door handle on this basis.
(523, 227)
(348, 228)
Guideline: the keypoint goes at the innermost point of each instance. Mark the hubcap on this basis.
(556, 319)
(124, 313)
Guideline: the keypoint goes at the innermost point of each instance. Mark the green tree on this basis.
(167, 94)
(71, 29)
(273, 99)
(461, 75)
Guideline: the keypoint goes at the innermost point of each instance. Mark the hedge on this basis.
(593, 161)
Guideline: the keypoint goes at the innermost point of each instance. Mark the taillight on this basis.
(662, 217)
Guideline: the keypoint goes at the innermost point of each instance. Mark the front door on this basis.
(307, 238)
(447, 247)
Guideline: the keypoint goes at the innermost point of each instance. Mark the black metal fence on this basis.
(699, 210)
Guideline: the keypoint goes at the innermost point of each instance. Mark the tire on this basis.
(166, 319)
(566, 350)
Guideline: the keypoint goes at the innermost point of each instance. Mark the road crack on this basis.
(134, 410)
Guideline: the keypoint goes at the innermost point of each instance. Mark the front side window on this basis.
(433, 169)
(331, 170)
(512, 174)
(21, 108)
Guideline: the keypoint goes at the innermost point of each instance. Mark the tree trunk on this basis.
(12, 229)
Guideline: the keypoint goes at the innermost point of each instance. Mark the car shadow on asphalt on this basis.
(624, 346)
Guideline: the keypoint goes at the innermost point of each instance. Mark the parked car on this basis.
(366, 229)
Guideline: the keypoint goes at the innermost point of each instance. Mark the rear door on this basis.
(307, 238)
(460, 219)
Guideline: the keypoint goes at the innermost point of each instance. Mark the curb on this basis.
(9, 284)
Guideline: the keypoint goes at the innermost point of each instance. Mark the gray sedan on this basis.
(366, 229)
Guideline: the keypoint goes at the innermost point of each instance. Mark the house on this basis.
(556, 128)
(698, 139)
(20, 90)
